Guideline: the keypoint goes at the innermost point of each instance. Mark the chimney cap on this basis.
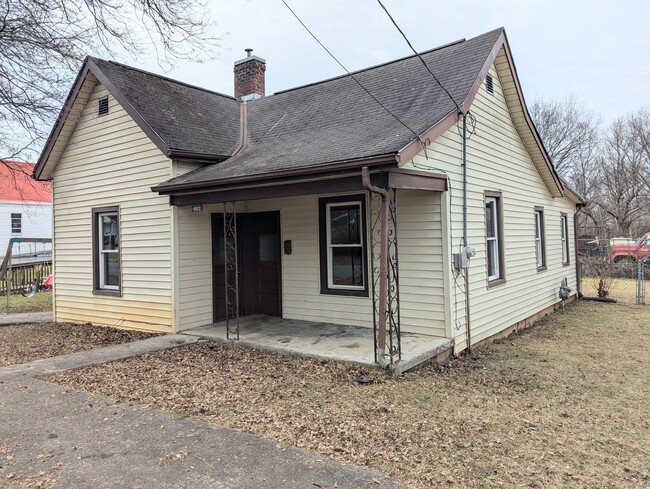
(250, 57)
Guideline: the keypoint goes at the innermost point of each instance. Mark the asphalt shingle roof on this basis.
(330, 121)
(185, 117)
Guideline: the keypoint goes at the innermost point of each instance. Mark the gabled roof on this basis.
(313, 128)
(337, 121)
(18, 186)
(181, 119)
(186, 118)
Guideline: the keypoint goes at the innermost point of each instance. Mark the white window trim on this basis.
(539, 238)
(101, 251)
(565, 239)
(493, 240)
(330, 246)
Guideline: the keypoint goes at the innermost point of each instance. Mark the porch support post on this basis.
(231, 269)
(380, 347)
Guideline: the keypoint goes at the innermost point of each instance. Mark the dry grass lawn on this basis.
(22, 343)
(17, 303)
(564, 405)
(624, 290)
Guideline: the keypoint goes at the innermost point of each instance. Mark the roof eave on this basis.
(409, 151)
(60, 120)
(168, 189)
(89, 67)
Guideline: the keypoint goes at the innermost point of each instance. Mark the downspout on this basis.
(383, 264)
(575, 247)
(467, 308)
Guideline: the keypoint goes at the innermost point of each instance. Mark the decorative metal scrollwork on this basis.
(231, 269)
(393, 337)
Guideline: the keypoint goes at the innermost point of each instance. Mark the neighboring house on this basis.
(25, 205)
(145, 169)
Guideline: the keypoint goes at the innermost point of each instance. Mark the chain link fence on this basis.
(614, 267)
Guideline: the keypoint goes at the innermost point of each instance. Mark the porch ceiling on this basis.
(324, 340)
(348, 181)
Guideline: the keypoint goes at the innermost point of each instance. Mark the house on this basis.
(436, 212)
(25, 205)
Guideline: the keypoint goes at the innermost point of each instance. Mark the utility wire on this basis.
(418, 55)
(348, 72)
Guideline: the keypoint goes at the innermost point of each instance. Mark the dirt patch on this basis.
(564, 406)
(22, 343)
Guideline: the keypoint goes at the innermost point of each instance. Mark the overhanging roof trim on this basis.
(408, 152)
(166, 188)
(73, 102)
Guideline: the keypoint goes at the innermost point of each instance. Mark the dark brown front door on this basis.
(258, 249)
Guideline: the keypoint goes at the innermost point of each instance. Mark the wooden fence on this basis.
(25, 274)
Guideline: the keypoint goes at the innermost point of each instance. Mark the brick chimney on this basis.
(249, 77)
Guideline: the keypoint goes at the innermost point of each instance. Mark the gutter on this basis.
(383, 267)
(166, 189)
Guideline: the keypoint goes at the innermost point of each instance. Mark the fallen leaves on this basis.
(556, 407)
(22, 343)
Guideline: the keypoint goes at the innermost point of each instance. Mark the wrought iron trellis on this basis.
(231, 269)
(393, 336)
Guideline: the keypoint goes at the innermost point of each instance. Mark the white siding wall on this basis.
(110, 161)
(498, 161)
(36, 223)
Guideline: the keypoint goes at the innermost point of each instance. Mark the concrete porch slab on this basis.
(323, 340)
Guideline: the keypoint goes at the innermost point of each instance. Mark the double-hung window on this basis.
(493, 237)
(343, 245)
(106, 251)
(564, 220)
(16, 223)
(540, 244)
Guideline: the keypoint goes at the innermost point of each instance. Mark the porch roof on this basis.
(321, 183)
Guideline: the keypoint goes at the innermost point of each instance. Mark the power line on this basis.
(418, 55)
(348, 72)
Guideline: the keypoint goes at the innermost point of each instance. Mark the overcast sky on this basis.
(598, 50)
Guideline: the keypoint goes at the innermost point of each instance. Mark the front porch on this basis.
(324, 340)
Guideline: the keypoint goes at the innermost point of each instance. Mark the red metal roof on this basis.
(17, 184)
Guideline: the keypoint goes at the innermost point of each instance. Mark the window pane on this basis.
(492, 258)
(345, 224)
(347, 267)
(489, 219)
(111, 269)
(109, 232)
(16, 223)
(219, 250)
(268, 247)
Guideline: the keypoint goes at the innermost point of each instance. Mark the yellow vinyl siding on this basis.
(194, 268)
(499, 161)
(420, 265)
(422, 301)
(110, 161)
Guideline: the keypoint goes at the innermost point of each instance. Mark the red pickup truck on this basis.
(638, 250)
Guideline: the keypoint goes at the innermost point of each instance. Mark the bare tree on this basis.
(42, 43)
(640, 126)
(623, 176)
(567, 129)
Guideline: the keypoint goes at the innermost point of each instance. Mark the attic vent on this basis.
(102, 106)
(489, 84)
